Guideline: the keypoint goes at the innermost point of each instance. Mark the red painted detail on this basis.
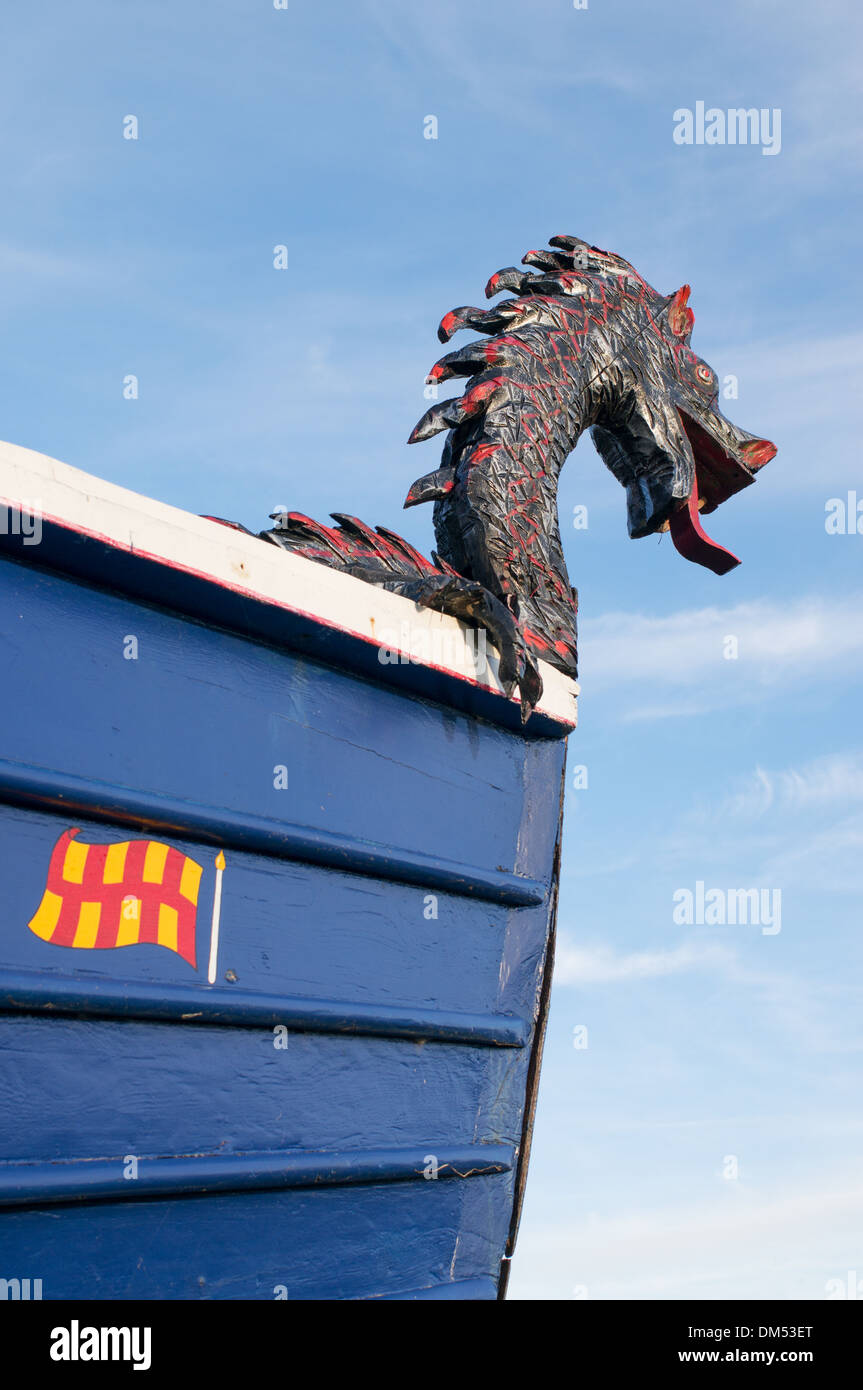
(757, 452)
(692, 542)
(336, 540)
(113, 898)
(404, 547)
(681, 318)
(720, 474)
(474, 400)
(377, 544)
(511, 341)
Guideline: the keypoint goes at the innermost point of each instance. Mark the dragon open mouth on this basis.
(726, 460)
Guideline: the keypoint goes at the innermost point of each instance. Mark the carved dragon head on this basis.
(584, 343)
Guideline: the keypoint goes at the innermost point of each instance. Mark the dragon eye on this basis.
(704, 374)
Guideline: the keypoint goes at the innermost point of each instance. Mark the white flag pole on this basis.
(217, 908)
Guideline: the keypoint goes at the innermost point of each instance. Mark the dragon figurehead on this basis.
(583, 343)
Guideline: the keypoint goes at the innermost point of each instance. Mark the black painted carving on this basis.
(583, 343)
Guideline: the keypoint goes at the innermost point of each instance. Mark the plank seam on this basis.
(29, 1183)
(32, 991)
(47, 789)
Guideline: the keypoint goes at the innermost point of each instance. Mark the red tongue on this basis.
(692, 541)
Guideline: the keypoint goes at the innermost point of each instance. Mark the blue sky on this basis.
(304, 127)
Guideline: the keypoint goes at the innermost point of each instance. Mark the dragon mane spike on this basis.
(475, 357)
(570, 243)
(509, 279)
(547, 260)
(431, 487)
(358, 530)
(301, 528)
(585, 255)
(405, 549)
(569, 282)
(467, 316)
(451, 414)
(236, 525)
(466, 361)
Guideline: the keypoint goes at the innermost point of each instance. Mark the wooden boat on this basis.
(280, 882)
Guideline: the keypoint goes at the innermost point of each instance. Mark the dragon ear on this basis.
(681, 319)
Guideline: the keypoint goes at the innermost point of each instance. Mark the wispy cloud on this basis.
(459, 45)
(801, 827)
(581, 965)
(691, 651)
(742, 1243)
(827, 782)
(790, 1002)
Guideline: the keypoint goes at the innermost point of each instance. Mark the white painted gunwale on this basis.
(44, 487)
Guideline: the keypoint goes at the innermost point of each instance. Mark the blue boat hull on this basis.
(345, 1110)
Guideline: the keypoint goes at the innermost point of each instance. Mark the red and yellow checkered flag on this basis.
(103, 896)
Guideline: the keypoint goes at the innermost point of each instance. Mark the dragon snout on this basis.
(674, 467)
(757, 452)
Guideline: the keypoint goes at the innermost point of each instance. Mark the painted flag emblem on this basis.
(134, 893)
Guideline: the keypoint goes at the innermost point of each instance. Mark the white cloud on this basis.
(744, 1243)
(836, 780)
(579, 965)
(799, 827)
(809, 639)
(791, 1002)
